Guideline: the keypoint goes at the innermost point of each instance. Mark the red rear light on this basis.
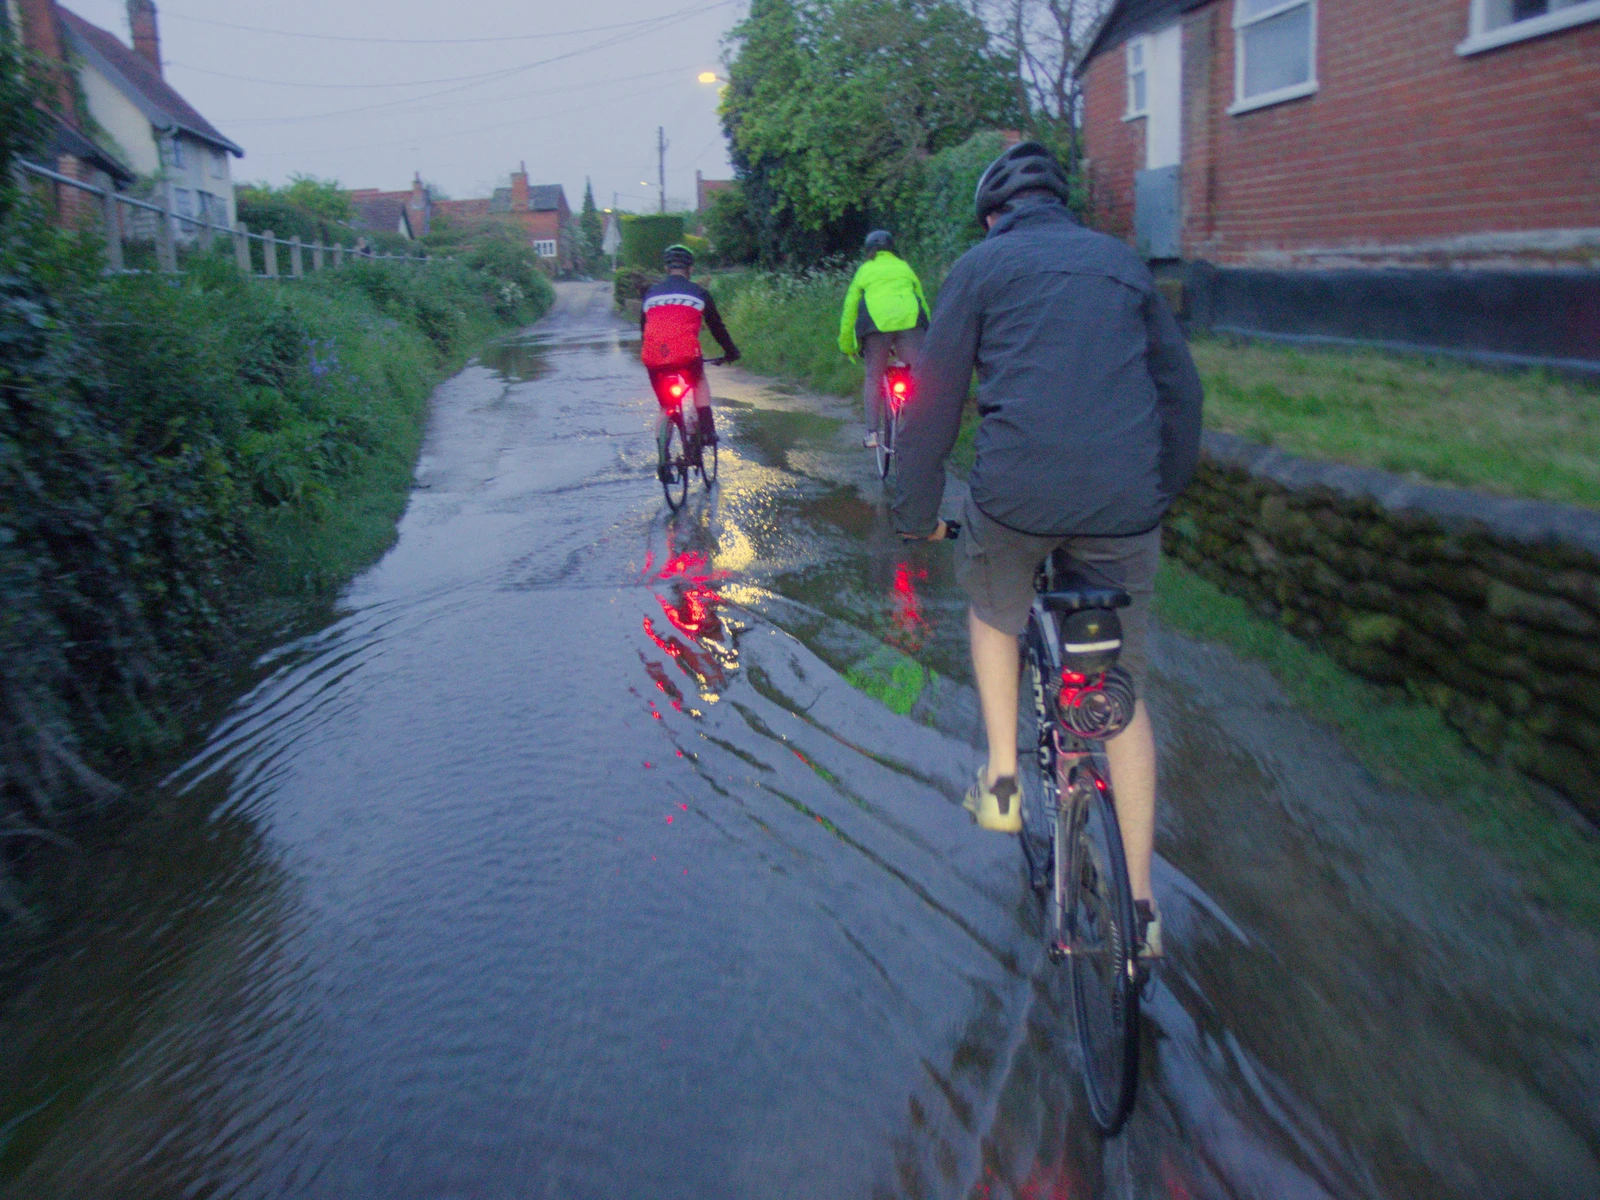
(899, 387)
(676, 389)
(1072, 678)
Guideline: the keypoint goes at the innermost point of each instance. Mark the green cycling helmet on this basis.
(677, 255)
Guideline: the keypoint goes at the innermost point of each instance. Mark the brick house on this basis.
(409, 214)
(39, 28)
(158, 133)
(705, 189)
(539, 211)
(1425, 174)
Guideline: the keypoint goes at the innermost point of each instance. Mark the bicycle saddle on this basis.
(1073, 593)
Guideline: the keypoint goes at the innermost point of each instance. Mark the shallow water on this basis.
(567, 862)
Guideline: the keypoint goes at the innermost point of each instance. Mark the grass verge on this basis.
(1403, 742)
(1522, 433)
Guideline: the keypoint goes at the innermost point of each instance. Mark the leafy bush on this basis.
(730, 228)
(173, 450)
(514, 266)
(645, 237)
(630, 283)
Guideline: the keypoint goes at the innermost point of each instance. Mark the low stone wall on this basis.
(1486, 607)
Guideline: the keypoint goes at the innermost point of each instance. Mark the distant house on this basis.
(705, 189)
(71, 151)
(1425, 173)
(540, 212)
(410, 214)
(158, 133)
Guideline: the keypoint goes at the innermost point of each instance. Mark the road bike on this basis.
(683, 454)
(896, 388)
(1072, 842)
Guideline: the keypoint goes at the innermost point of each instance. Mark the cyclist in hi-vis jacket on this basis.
(674, 310)
(884, 313)
(1090, 427)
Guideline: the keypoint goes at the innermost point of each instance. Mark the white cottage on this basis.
(159, 134)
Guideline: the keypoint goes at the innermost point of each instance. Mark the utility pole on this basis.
(661, 163)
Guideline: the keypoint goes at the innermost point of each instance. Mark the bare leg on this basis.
(1132, 757)
(996, 665)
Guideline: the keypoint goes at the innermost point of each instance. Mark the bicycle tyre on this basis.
(1100, 922)
(676, 458)
(885, 447)
(708, 471)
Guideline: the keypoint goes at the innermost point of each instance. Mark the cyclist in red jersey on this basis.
(674, 311)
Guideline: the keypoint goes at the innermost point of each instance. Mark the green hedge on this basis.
(645, 237)
(174, 452)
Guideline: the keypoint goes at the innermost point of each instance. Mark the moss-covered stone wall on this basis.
(1484, 606)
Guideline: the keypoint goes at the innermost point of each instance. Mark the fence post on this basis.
(297, 264)
(316, 255)
(241, 247)
(269, 252)
(338, 255)
(108, 199)
(166, 246)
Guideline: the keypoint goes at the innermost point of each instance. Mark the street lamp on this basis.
(712, 77)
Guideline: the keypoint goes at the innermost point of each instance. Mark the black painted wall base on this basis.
(1500, 318)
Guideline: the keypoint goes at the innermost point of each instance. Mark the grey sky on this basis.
(593, 113)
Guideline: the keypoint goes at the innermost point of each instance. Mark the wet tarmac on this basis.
(593, 852)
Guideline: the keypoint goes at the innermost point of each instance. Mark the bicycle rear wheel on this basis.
(675, 458)
(1092, 888)
(886, 431)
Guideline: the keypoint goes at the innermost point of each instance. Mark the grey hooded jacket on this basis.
(1090, 402)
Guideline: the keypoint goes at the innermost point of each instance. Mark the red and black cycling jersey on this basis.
(673, 312)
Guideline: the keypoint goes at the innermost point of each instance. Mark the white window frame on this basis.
(1480, 38)
(1142, 44)
(1295, 90)
(219, 163)
(545, 247)
(179, 162)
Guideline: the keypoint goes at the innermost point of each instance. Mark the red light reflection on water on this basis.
(909, 623)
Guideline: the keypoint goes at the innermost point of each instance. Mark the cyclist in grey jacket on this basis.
(1090, 426)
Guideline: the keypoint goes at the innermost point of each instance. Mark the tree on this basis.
(591, 231)
(1044, 40)
(833, 107)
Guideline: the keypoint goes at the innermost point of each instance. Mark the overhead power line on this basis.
(695, 10)
(489, 78)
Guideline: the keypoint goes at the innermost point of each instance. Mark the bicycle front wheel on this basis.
(1092, 886)
(675, 461)
(708, 464)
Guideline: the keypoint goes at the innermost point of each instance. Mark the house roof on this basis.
(542, 197)
(1129, 18)
(140, 82)
(382, 213)
(65, 139)
(462, 208)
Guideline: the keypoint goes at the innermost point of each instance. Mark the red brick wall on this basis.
(1114, 148)
(1404, 141)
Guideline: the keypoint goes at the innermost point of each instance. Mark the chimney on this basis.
(146, 38)
(419, 205)
(519, 190)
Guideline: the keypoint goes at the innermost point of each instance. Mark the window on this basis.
(1138, 78)
(219, 164)
(545, 249)
(1275, 52)
(176, 152)
(1495, 23)
(183, 202)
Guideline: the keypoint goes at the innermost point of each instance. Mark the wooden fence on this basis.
(168, 226)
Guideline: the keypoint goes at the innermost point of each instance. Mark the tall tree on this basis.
(833, 107)
(591, 230)
(1044, 40)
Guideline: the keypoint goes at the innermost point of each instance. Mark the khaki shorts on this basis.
(995, 566)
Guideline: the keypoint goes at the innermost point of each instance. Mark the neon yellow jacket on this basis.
(894, 300)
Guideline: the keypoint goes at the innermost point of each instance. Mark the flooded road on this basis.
(596, 853)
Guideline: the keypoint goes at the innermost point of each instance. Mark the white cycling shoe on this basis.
(998, 808)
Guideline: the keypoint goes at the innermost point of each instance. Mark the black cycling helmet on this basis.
(878, 239)
(677, 255)
(1025, 166)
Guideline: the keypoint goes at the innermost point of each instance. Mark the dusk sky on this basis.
(573, 89)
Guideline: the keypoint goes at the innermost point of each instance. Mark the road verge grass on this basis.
(1406, 743)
